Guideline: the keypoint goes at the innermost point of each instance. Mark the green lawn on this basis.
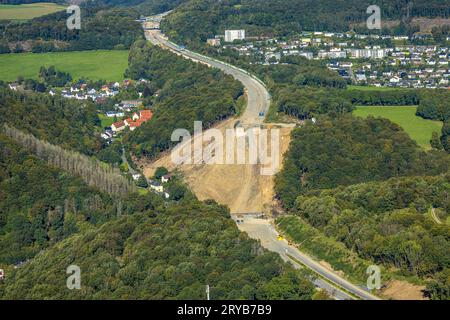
(418, 128)
(106, 65)
(106, 121)
(28, 11)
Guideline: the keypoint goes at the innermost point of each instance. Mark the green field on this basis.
(106, 65)
(418, 128)
(28, 11)
(105, 121)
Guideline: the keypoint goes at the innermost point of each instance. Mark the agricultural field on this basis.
(28, 11)
(418, 128)
(106, 65)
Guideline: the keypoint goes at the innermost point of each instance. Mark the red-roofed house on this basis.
(128, 121)
(146, 114)
(118, 126)
(134, 125)
(138, 119)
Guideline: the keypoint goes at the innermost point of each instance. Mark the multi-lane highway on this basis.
(264, 230)
(258, 100)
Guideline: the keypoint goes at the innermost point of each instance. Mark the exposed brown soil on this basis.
(402, 290)
(241, 187)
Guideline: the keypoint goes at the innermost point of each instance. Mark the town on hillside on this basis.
(374, 60)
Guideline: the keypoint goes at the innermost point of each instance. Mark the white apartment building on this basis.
(368, 53)
(231, 35)
(332, 54)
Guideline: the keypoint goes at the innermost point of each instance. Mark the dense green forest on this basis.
(40, 205)
(135, 249)
(366, 184)
(197, 20)
(299, 87)
(146, 7)
(101, 28)
(388, 222)
(187, 92)
(436, 106)
(67, 123)
(347, 150)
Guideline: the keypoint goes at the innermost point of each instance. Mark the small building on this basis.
(135, 116)
(155, 185)
(2, 274)
(13, 86)
(131, 103)
(134, 125)
(118, 126)
(112, 114)
(128, 121)
(166, 178)
(215, 42)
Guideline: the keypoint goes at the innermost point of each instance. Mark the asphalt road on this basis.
(257, 95)
(259, 101)
(263, 230)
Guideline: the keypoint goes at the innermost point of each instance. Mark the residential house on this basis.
(136, 176)
(166, 178)
(112, 114)
(118, 126)
(146, 115)
(135, 116)
(14, 86)
(155, 185)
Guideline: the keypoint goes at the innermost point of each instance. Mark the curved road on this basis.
(258, 98)
(259, 101)
(264, 230)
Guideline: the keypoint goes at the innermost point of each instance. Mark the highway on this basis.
(261, 229)
(264, 230)
(258, 98)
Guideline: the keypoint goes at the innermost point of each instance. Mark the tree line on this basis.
(191, 25)
(435, 105)
(346, 150)
(93, 172)
(102, 28)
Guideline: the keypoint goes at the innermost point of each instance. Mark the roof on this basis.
(146, 114)
(118, 124)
